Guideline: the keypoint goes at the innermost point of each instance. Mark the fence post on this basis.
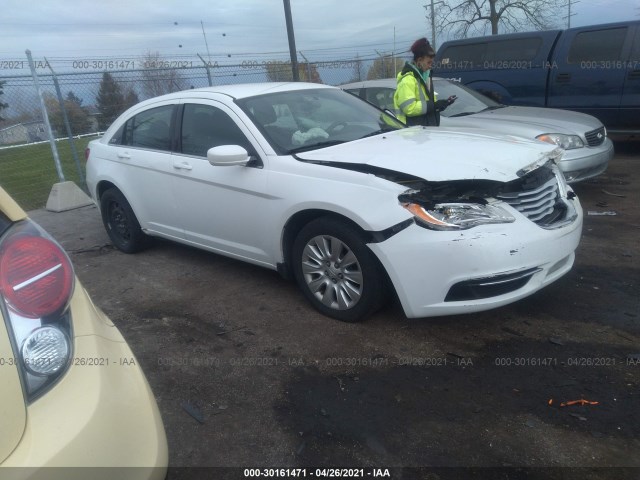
(309, 79)
(207, 67)
(52, 142)
(63, 109)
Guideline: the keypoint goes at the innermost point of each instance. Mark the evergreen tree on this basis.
(110, 101)
(71, 97)
(131, 98)
(2, 105)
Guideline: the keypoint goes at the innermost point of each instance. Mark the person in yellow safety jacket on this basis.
(414, 100)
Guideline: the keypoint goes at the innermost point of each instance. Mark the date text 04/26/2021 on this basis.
(317, 472)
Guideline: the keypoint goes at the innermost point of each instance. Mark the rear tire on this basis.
(336, 271)
(121, 223)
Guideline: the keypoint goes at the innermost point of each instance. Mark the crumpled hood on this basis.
(440, 154)
(532, 121)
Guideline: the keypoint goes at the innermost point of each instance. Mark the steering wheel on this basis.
(334, 126)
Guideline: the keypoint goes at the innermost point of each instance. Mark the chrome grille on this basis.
(536, 203)
(595, 137)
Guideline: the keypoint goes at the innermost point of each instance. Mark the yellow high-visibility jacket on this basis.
(412, 101)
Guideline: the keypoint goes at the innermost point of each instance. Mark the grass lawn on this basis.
(28, 172)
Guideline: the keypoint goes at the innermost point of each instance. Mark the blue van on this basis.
(593, 69)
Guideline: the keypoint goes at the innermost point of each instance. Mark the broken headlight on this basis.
(457, 216)
(567, 142)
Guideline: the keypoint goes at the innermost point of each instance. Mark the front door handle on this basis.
(124, 155)
(182, 166)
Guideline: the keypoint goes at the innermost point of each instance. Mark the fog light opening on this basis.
(45, 351)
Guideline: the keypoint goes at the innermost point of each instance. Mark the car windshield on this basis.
(468, 102)
(301, 120)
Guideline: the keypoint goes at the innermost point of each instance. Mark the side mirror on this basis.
(228, 155)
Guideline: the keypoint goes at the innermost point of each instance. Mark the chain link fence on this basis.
(81, 104)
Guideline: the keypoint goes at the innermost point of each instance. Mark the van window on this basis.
(514, 49)
(456, 55)
(598, 45)
(476, 55)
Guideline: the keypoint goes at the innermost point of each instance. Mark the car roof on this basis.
(242, 90)
(383, 82)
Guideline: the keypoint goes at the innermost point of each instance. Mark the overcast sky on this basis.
(244, 29)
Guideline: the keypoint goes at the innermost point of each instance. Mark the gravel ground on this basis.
(248, 375)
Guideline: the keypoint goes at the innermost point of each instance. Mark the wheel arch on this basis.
(297, 221)
(105, 185)
(293, 226)
(102, 187)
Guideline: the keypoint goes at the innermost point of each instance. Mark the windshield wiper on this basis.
(464, 114)
(495, 107)
(306, 148)
(461, 114)
(378, 132)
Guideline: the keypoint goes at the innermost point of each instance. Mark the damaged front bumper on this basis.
(446, 273)
(452, 271)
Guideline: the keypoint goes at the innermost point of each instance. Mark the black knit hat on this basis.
(422, 48)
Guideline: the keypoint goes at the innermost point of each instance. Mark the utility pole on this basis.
(570, 2)
(393, 53)
(433, 26)
(433, 22)
(292, 41)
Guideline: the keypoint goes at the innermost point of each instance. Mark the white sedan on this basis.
(588, 150)
(308, 180)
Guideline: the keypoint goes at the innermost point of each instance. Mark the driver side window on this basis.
(205, 127)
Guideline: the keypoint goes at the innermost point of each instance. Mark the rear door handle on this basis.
(182, 166)
(634, 75)
(124, 155)
(563, 77)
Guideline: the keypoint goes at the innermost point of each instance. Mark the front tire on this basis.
(121, 223)
(336, 271)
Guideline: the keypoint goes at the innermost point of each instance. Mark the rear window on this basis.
(149, 129)
(598, 45)
(488, 54)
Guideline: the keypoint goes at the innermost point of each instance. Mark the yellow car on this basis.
(71, 391)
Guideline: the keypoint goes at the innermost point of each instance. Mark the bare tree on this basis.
(464, 18)
(279, 71)
(158, 78)
(385, 66)
(358, 71)
(77, 115)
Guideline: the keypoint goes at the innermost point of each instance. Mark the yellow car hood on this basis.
(13, 413)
